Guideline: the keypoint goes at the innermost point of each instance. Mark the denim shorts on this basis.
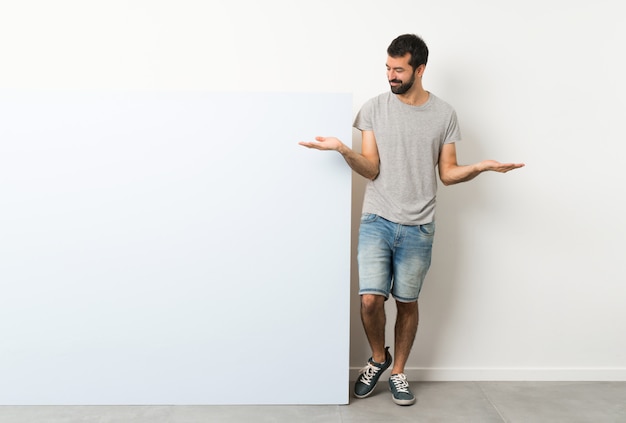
(393, 258)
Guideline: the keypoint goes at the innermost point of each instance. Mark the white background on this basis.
(527, 280)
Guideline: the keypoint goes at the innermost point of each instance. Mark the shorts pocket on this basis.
(369, 217)
(427, 229)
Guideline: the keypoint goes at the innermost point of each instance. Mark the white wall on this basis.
(527, 280)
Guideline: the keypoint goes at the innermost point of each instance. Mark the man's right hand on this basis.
(323, 143)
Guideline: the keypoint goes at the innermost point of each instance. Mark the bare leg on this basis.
(373, 318)
(405, 330)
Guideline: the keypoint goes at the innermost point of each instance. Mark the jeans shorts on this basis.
(393, 258)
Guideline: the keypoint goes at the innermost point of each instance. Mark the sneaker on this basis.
(400, 391)
(368, 376)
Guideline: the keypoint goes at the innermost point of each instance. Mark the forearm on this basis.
(456, 174)
(360, 164)
(365, 163)
(451, 173)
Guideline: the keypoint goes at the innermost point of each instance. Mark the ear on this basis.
(419, 72)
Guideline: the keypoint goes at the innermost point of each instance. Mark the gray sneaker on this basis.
(400, 391)
(368, 376)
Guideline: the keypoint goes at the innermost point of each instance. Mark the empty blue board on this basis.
(173, 248)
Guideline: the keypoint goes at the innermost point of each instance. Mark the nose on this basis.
(393, 75)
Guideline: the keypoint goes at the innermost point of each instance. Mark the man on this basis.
(406, 134)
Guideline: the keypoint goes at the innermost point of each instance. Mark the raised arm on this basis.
(365, 163)
(452, 173)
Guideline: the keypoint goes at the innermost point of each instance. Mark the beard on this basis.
(403, 87)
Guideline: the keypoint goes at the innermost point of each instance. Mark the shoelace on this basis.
(400, 383)
(367, 373)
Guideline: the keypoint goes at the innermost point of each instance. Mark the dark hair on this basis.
(409, 43)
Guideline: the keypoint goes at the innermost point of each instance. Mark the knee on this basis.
(371, 304)
(407, 308)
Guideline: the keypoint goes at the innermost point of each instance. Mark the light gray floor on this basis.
(532, 402)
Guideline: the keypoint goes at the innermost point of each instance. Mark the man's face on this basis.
(400, 74)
